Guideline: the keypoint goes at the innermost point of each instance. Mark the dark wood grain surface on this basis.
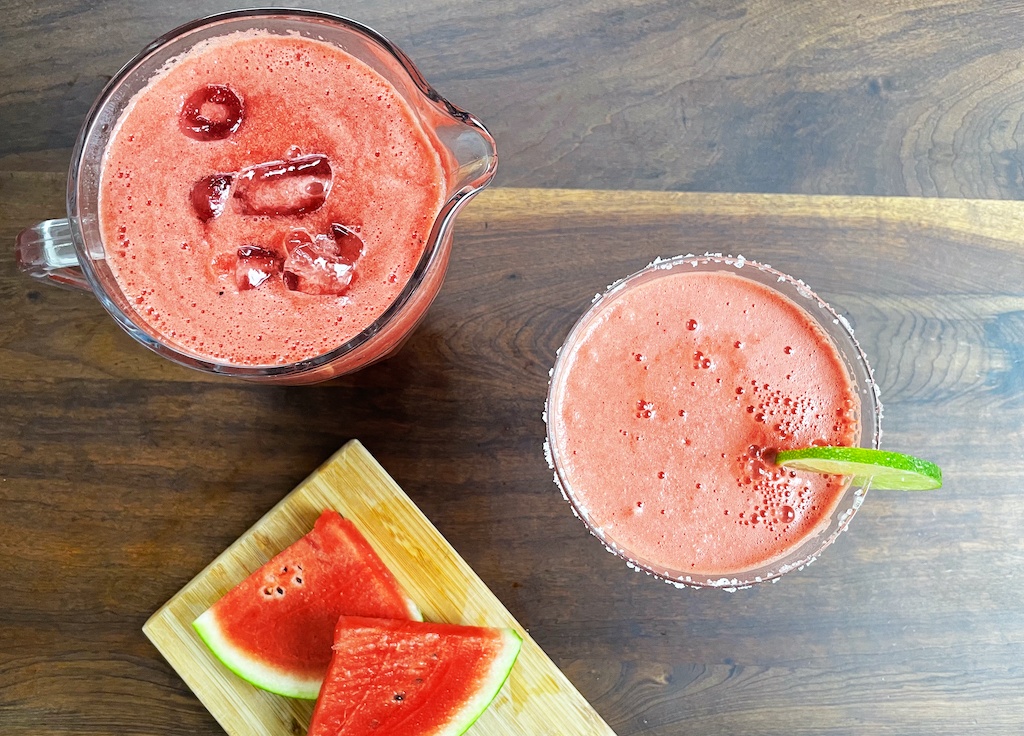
(876, 97)
(122, 475)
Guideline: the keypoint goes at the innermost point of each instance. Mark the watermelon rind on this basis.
(447, 674)
(490, 686)
(250, 669)
(332, 539)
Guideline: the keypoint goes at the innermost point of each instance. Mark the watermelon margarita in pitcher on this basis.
(266, 198)
(669, 400)
(266, 194)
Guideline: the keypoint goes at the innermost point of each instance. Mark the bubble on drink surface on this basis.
(645, 409)
(255, 266)
(322, 264)
(280, 188)
(211, 113)
(209, 195)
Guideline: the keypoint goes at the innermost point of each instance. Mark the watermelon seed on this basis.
(280, 590)
(399, 697)
(298, 580)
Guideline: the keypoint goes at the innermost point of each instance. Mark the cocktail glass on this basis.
(868, 417)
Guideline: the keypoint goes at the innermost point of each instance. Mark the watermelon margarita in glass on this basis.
(669, 400)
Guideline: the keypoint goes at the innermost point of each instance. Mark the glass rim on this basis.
(858, 369)
(433, 252)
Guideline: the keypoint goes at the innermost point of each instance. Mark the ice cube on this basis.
(292, 187)
(295, 238)
(317, 267)
(210, 194)
(211, 113)
(254, 266)
(350, 245)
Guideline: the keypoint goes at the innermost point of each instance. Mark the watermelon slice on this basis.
(405, 678)
(275, 628)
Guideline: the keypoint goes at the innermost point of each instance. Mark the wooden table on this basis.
(122, 475)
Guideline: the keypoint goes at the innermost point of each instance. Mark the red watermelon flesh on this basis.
(275, 628)
(408, 678)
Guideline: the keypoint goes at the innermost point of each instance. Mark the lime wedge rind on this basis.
(878, 469)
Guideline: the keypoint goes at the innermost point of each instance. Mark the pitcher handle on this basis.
(47, 252)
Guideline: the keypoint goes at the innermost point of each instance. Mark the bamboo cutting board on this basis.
(537, 699)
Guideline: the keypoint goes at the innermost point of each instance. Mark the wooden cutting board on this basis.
(537, 699)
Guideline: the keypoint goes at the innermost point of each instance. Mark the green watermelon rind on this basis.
(488, 689)
(250, 669)
(279, 680)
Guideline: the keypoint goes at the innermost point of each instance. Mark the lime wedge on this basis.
(886, 470)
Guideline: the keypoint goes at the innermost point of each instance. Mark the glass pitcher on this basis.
(70, 251)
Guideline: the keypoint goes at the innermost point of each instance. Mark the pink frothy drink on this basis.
(265, 194)
(266, 197)
(669, 400)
